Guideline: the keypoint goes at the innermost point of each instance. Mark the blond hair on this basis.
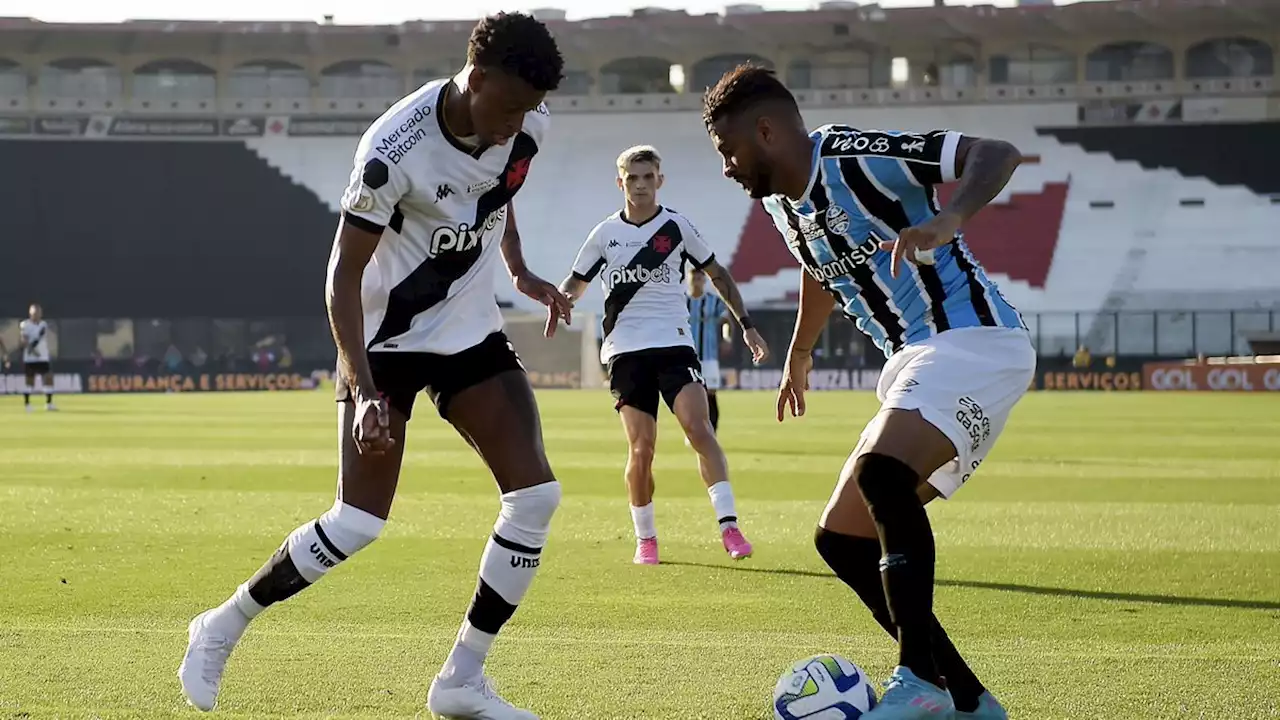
(639, 153)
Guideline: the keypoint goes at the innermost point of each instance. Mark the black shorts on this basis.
(37, 368)
(637, 378)
(400, 376)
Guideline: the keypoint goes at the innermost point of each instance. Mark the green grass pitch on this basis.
(1117, 557)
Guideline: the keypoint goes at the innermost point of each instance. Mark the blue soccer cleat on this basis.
(988, 709)
(907, 697)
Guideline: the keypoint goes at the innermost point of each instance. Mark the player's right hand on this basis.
(561, 308)
(795, 381)
(373, 426)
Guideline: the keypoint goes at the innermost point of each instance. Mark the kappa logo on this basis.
(443, 192)
(614, 243)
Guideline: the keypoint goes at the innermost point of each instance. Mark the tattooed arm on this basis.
(728, 290)
(984, 167)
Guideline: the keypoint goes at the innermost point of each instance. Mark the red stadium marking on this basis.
(1016, 238)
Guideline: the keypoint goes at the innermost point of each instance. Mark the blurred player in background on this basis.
(859, 210)
(425, 218)
(640, 253)
(35, 356)
(709, 326)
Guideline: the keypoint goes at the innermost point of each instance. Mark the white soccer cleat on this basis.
(474, 701)
(50, 407)
(211, 637)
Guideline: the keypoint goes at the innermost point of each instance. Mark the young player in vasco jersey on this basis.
(641, 254)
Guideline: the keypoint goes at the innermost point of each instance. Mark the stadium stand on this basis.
(188, 229)
(219, 150)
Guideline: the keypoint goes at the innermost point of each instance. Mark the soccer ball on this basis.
(823, 687)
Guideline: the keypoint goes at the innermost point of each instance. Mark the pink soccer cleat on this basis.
(646, 551)
(735, 544)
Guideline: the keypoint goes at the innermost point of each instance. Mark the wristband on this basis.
(746, 323)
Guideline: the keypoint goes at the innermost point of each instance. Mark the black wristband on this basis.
(746, 323)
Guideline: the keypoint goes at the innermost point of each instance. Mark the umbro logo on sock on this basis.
(321, 557)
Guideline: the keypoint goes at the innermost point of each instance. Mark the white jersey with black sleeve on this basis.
(35, 341)
(641, 268)
(441, 208)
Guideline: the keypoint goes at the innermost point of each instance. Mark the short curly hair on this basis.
(742, 88)
(520, 45)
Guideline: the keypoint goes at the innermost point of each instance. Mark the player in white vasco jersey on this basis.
(35, 356)
(859, 210)
(412, 307)
(640, 253)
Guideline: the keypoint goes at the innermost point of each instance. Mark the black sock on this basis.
(48, 398)
(715, 411)
(278, 579)
(856, 561)
(26, 398)
(889, 487)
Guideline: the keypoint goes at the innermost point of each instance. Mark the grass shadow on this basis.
(1175, 600)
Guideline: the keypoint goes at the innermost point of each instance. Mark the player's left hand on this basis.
(795, 381)
(759, 349)
(558, 304)
(919, 241)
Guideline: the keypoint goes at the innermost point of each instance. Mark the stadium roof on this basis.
(868, 23)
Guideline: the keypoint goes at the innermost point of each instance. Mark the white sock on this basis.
(722, 502)
(510, 560)
(242, 601)
(310, 551)
(642, 518)
(466, 660)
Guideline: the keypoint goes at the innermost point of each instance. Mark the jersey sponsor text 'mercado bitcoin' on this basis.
(441, 205)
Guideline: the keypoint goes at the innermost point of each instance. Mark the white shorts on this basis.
(711, 374)
(965, 382)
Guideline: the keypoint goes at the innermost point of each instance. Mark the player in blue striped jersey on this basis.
(859, 210)
(707, 324)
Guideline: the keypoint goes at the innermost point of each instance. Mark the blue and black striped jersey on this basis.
(867, 186)
(705, 315)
